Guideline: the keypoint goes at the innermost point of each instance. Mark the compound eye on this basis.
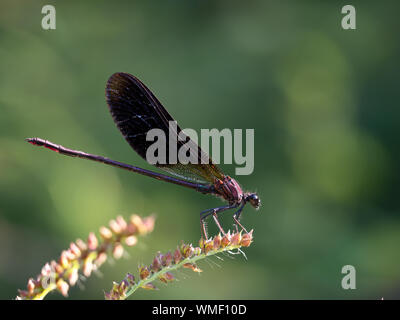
(254, 200)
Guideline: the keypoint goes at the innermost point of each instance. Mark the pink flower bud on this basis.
(81, 244)
(46, 270)
(131, 241)
(23, 293)
(92, 241)
(108, 296)
(64, 262)
(31, 286)
(105, 233)
(73, 277)
(118, 251)
(63, 287)
(138, 223)
(87, 268)
(101, 258)
(149, 223)
(131, 228)
(121, 222)
(57, 268)
(115, 227)
(75, 249)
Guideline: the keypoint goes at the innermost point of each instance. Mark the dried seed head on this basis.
(143, 272)
(217, 241)
(167, 259)
(226, 240)
(201, 242)
(186, 250)
(169, 276)
(192, 266)
(163, 260)
(130, 278)
(177, 256)
(123, 286)
(236, 238)
(247, 239)
(208, 246)
(166, 277)
(196, 251)
(156, 265)
(115, 287)
(149, 286)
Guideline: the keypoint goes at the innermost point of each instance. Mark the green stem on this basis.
(41, 295)
(173, 267)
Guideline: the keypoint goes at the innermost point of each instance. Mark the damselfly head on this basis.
(253, 199)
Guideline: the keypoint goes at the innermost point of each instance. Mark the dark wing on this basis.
(136, 110)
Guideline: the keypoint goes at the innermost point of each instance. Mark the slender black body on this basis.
(135, 111)
(80, 154)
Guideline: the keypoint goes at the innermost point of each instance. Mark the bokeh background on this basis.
(323, 102)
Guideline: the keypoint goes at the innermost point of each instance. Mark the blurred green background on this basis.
(322, 101)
